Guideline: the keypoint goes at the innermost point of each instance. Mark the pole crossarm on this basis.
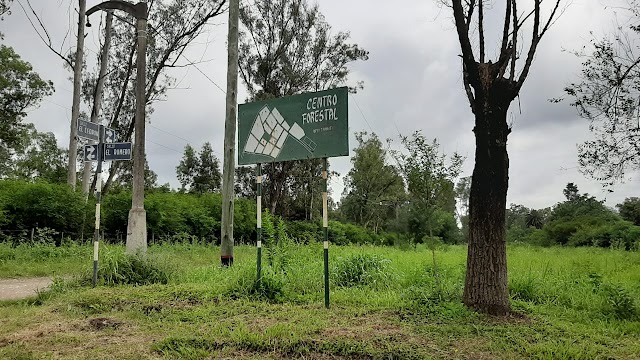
(139, 10)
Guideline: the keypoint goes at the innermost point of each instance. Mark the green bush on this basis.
(42, 205)
(361, 269)
(117, 268)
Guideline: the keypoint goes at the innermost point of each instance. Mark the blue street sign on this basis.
(90, 152)
(88, 130)
(117, 151)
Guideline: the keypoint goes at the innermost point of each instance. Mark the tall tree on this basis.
(208, 177)
(286, 47)
(607, 96)
(374, 189)
(491, 86)
(21, 88)
(430, 178)
(41, 159)
(186, 169)
(201, 173)
(571, 191)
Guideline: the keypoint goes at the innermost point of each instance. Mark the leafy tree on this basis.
(186, 169)
(200, 174)
(607, 96)
(490, 87)
(286, 48)
(41, 159)
(630, 210)
(429, 177)
(571, 192)
(208, 177)
(20, 89)
(374, 189)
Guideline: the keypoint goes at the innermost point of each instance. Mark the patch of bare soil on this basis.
(16, 289)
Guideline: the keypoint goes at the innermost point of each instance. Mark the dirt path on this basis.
(14, 289)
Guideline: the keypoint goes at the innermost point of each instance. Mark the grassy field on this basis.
(386, 303)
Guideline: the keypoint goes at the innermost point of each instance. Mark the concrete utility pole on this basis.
(137, 226)
(97, 101)
(229, 165)
(75, 106)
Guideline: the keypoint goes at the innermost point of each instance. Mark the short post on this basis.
(96, 234)
(325, 228)
(259, 217)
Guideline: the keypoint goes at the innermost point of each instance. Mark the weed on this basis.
(361, 269)
(117, 268)
(618, 303)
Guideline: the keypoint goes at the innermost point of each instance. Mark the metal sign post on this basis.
(325, 230)
(96, 234)
(259, 217)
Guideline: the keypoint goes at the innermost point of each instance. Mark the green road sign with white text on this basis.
(305, 126)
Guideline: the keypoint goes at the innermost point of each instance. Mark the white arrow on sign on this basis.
(90, 153)
(109, 135)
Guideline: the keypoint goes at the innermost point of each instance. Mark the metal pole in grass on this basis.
(96, 234)
(325, 227)
(259, 217)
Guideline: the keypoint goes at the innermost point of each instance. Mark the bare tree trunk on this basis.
(486, 287)
(97, 102)
(75, 107)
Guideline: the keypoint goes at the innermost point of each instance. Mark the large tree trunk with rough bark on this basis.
(486, 280)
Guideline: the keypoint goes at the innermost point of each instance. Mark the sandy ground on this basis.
(14, 289)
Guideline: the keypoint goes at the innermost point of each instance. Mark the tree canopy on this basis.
(21, 88)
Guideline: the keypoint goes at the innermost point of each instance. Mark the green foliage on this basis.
(199, 174)
(430, 183)
(41, 205)
(20, 89)
(361, 270)
(619, 303)
(630, 210)
(117, 268)
(374, 189)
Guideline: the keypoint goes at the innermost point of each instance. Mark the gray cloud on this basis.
(412, 82)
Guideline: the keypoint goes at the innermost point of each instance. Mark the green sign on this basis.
(306, 126)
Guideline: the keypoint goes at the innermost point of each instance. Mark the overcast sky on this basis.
(412, 82)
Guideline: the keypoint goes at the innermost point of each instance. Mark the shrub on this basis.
(117, 268)
(361, 269)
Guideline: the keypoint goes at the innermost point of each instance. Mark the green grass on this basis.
(573, 303)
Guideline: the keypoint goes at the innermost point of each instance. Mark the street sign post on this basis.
(305, 126)
(105, 150)
(117, 151)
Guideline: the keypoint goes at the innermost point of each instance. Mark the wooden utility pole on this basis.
(75, 107)
(229, 165)
(97, 100)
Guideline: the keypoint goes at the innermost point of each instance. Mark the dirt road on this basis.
(14, 289)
